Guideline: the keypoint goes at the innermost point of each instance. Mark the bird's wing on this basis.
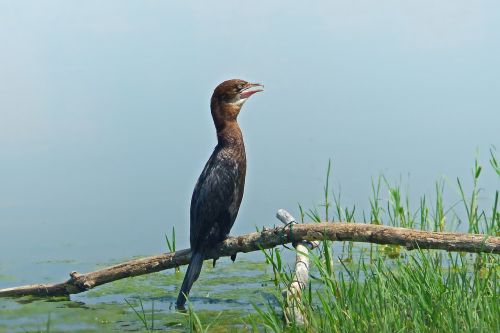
(215, 202)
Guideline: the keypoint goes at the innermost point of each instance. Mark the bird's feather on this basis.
(216, 198)
(192, 274)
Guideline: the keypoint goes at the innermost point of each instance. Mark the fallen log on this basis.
(265, 239)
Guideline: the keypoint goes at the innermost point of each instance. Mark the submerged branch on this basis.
(292, 311)
(268, 238)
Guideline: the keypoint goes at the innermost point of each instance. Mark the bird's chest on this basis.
(239, 186)
(236, 166)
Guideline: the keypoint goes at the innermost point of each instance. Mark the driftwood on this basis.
(268, 238)
(293, 294)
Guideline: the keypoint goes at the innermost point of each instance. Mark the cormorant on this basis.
(218, 192)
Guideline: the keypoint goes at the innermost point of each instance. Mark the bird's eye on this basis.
(241, 86)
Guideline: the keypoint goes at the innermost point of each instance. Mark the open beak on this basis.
(250, 89)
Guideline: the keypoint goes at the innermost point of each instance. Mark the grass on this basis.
(149, 326)
(387, 289)
(171, 245)
(412, 294)
(193, 323)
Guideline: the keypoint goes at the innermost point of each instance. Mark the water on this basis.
(231, 288)
(105, 123)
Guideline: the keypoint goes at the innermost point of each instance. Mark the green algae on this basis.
(224, 293)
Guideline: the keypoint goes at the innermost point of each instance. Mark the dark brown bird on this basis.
(217, 195)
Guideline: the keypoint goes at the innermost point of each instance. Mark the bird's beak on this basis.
(250, 89)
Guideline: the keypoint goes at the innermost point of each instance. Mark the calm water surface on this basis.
(105, 122)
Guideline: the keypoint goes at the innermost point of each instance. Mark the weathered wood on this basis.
(268, 238)
(293, 293)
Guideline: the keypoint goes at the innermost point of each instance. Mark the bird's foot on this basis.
(181, 308)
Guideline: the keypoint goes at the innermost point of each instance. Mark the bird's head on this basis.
(229, 96)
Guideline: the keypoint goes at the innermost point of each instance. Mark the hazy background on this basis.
(105, 122)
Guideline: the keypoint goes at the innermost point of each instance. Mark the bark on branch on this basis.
(268, 238)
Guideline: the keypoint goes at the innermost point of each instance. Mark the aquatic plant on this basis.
(172, 246)
(388, 289)
(141, 314)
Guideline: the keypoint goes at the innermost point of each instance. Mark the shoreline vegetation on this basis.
(384, 288)
(353, 287)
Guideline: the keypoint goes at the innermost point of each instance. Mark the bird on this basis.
(219, 190)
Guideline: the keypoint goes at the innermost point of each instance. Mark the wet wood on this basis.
(268, 238)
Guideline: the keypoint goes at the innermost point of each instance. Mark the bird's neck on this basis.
(229, 134)
(226, 125)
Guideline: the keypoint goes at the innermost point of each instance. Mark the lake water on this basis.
(105, 122)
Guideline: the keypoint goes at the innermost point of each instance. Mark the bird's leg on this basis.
(214, 261)
(233, 257)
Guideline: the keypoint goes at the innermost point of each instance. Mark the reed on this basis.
(370, 288)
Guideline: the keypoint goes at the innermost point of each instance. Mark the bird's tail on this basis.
(192, 274)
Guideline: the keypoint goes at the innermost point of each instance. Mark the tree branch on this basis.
(268, 238)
